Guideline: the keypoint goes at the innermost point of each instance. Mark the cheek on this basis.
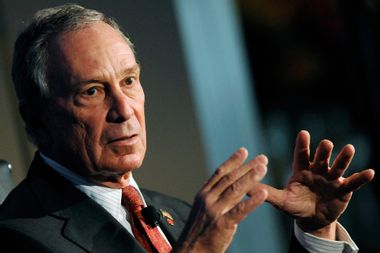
(92, 131)
(140, 112)
(141, 119)
(141, 109)
(86, 133)
(77, 138)
(86, 143)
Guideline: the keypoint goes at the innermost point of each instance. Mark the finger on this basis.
(237, 189)
(357, 180)
(301, 159)
(258, 165)
(242, 209)
(341, 163)
(235, 161)
(275, 197)
(321, 161)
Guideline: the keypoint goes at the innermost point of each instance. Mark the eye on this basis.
(130, 80)
(90, 94)
(91, 91)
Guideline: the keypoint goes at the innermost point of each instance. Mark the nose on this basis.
(120, 108)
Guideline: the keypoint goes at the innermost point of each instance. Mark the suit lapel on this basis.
(93, 228)
(172, 230)
(86, 223)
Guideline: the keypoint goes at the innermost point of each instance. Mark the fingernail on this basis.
(241, 152)
(262, 193)
(260, 168)
(263, 158)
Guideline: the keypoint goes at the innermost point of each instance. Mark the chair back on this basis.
(6, 182)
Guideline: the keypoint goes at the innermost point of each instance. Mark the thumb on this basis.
(275, 197)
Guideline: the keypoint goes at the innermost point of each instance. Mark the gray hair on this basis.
(31, 54)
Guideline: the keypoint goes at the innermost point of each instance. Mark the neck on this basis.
(119, 182)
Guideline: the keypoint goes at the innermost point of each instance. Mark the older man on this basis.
(79, 91)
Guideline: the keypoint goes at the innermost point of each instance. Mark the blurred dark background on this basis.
(316, 67)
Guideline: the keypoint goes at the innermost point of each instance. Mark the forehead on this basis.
(91, 49)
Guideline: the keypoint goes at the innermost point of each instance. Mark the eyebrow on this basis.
(134, 69)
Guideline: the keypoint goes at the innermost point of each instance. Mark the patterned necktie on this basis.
(149, 237)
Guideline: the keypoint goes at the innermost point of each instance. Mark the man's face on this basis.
(95, 118)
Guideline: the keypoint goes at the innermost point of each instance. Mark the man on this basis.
(80, 96)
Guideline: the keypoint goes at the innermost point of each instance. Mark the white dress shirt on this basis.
(315, 244)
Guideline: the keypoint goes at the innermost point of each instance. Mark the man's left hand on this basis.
(317, 194)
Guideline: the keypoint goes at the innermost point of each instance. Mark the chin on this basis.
(129, 162)
(114, 171)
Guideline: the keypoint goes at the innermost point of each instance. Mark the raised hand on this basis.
(219, 206)
(317, 194)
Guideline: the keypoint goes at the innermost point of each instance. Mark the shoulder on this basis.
(21, 220)
(20, 201)
(15, 240)
(20, 212)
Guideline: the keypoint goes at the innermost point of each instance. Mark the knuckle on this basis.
(253, 176)
(260, 169)
(234, 189)
(240, 208)
(221, 224)
(220, 171)
(227, 180)
(229, 177)
(206, 199)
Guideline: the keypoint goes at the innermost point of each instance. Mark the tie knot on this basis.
(132, 199)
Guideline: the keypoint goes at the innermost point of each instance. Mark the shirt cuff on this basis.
(315, 244)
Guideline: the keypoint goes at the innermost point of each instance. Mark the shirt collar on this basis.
(108, 198)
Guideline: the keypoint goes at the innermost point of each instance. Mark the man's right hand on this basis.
(220, 205)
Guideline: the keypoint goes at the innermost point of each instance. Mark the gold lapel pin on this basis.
(168, 217)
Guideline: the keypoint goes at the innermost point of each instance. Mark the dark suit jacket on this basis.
(46, 213)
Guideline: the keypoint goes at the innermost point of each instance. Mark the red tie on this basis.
(149, 237)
